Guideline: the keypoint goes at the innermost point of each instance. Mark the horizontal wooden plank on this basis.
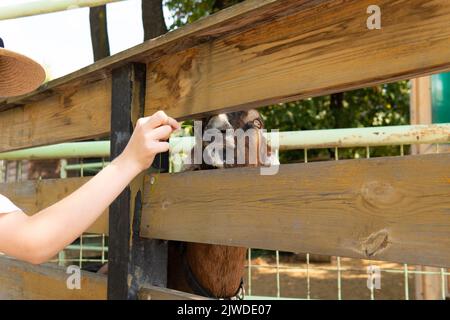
(231, 20)
(67, 115)
(34, 195)
(158, 293)
(23, 281)
(394, 209)
(338, 208)
(321, 47)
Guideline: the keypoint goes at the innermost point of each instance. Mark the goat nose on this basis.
(2, 44)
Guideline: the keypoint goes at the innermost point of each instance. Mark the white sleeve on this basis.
(6, 205)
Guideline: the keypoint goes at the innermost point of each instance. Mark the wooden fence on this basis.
(255, 53)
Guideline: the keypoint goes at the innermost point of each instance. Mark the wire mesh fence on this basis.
(90, 251)
(340, 269)
(275, 274)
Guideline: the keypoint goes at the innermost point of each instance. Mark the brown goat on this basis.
(215, 270)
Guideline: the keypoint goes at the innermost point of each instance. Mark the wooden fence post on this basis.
(427, 286)
(133, 261)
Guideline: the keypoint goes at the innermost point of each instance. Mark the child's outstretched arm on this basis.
(39, 237)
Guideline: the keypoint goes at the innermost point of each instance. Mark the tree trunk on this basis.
(339, 116)
(99, 32)
(337, 109)
(153, 19)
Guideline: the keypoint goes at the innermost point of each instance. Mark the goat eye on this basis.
(257, 123)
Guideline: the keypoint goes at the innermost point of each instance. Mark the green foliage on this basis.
(382, 105)
(187, 11)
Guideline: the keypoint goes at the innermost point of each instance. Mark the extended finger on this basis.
(161, 118)
(174, 123)
(161, 133)
(160, 147)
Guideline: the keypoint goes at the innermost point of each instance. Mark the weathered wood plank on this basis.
(23, 281)
(157, 293)
(134, 262)
(121, 210)
(34, 195)
(321, 47)
(234, 19)
(427, 286)
(394, 209)
(73, 114)
(340, 215)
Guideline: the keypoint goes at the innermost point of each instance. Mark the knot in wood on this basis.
(375, 243)
(380, 194)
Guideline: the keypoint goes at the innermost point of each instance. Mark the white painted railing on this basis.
(36, 7)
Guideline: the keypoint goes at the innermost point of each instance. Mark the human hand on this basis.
(149, 138)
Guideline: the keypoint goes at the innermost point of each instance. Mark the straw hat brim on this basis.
(18, 74)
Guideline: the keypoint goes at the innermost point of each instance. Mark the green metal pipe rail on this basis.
(91, 149)
(289, 140)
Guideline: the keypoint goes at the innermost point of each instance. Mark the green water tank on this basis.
(440, 97)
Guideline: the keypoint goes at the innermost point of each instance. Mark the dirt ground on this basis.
(324, 279)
